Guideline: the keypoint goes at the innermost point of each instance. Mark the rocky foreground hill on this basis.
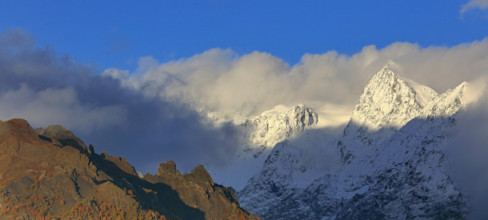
(49, 173)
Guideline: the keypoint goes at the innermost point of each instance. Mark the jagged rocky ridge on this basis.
(52, 174)
(391, 162)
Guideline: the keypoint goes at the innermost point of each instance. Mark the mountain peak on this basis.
(386, 75)
(392, 66)
(62, 136)
(279, 123)
(168, 168)
(390, 101)
(387, 101)
(19, 127)
(448, 103)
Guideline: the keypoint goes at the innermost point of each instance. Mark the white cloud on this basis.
(220, 80)
(116, 73)
(474, 4)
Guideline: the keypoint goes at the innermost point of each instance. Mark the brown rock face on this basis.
(52, 174)
(198, 190)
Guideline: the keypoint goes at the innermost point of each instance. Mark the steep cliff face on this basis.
(392, 162)
(52, 174)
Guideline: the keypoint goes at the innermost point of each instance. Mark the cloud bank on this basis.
(223, 81)
(149, 116)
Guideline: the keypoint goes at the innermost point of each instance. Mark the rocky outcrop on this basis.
(61, 136)
(198, 190)
(43, 176)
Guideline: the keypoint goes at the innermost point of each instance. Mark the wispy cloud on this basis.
(474, 4)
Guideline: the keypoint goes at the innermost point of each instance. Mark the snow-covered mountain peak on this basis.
(448, 103)
(278, 124)
(387, 103)
(386, 94)
(260, 135)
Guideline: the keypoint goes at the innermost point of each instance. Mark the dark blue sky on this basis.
(117, 33)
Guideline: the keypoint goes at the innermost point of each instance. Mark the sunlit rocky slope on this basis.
(49, 173)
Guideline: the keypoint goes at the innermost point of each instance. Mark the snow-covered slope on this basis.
(392, 164)
(276, 125)
(259, 135)
(290, 166)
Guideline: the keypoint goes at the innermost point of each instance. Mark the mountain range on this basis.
(387, 164)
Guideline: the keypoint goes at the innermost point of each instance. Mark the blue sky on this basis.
(117, 33)
(264, 60)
